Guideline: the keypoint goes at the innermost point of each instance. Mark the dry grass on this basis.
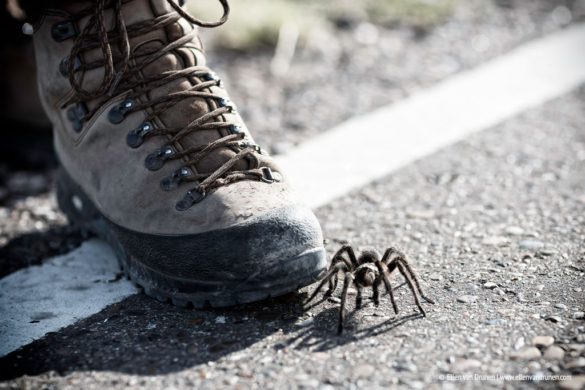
(255, 23)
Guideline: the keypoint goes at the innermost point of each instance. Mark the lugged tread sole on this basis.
(310, 265)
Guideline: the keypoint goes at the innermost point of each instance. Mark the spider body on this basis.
(368, 270)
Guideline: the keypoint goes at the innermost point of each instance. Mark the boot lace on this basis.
(122, 72)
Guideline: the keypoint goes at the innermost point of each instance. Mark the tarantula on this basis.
(368, 270)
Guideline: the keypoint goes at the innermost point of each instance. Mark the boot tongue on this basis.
(185, 111)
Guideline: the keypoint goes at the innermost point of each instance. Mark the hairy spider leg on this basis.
(389, 255)
(376, 287)
(384, 274)
(359, 297)
(333, 281)
(350, 253)
(342, 312)
(332, 272)
(415, 278)
(402, 270)
(393, 255)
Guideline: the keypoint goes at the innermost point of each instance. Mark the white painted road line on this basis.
(71, 287)
(371, 146)
(63, 290)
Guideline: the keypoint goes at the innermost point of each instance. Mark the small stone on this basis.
(554, 352)
(495, 241)
(490, 285)
(495, 321)
(404, 366)
(519, 343)
(364, 371)
(555, 319)
(531, 245)
(220, 320)
(576, 347)
(578, 315)
(467, 298)
(529, 353)
(547, 251)
(461, 365)
(543, 341)
(577, 363)
(575, 382)
(305, 323)
(421, 214)
(514, 231)
(321, 355)
(561, 306)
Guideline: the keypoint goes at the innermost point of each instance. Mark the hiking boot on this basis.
(157, 161)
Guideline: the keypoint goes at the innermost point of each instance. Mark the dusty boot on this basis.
(157, 161)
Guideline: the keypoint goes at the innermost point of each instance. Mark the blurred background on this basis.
(294, 67)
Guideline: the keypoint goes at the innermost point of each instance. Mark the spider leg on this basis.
(402, 270)
(342, 312)
(332, 272)
(389, 255)
(403, 261)
(359, 297)
(376, 287)
(384, 272)
(350, 253)
(332, 285)
(337, 258)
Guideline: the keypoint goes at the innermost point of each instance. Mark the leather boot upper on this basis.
(132, 102)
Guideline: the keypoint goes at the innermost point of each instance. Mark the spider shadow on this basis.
(321, 334)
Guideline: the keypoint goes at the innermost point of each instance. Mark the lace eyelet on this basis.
(246, 144)
(173, 181)
(76, 115)
(63, 31)
(269, 176)
(135, 138)
(235, 129)
(118, 113)
(64, 66)
(196, 195)
(212, 76)
(223, 102)
(156, 159)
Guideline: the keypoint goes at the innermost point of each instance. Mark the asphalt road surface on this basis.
(494, 225)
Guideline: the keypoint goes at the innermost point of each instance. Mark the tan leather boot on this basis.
(156, 159)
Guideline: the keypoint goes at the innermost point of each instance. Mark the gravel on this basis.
(332, 71)
(543, 341)
(276, 344)
(335, 74)
(504, 206)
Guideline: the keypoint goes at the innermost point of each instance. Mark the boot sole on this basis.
(301, 270)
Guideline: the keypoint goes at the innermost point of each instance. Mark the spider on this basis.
(368, 270)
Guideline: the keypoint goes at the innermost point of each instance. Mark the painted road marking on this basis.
(41, 299)
(68, 288)
(369, 147)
